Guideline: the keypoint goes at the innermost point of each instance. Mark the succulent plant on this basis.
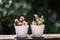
(16, 22)
(38, 21)
(20, 22)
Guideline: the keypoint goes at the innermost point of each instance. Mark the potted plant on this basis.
(21, 27)
(37, 26)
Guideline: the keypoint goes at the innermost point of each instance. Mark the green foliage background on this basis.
(11, 9)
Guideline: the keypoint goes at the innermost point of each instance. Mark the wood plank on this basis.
(44, 37)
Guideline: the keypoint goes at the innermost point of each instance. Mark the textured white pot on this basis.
(21, 31)
(37, 30)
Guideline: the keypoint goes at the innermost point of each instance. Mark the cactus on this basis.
(38, 21)
(16, 22)
(33, 23)
(20, 22)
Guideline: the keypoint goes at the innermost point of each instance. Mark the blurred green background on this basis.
(11, 9)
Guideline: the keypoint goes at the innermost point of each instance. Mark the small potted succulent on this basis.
(37, 26)
(21, 27)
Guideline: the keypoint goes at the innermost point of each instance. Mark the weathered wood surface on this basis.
(44, 37)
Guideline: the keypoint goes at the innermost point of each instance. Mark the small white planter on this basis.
(21, 31)
(37, 30)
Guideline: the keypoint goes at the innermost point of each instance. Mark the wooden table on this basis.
(44, 37)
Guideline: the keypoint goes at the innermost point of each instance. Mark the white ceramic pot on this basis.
(21, 31)
(37, 30)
